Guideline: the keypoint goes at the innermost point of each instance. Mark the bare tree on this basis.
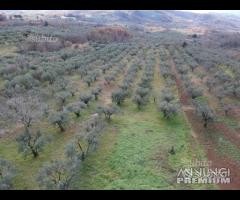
(26, 109)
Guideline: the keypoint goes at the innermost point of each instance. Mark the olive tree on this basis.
(61, 84)
(88, 80)
(7, 173)
(26, 109)
(96, 91)
(60, 119)
(109, 79)
(62, 97)
(205, 112)
(108, 111)
(142, 92)
(76, 107)
(168, 109)
(85, 141)
(119, 96)
(58, 174)
(49, 75)
(167, 95)
(30, 142)
(141, 97)
(86, 98)
(194, 91)
(140, 101)
(168, 105)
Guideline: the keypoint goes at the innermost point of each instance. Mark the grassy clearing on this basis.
(134, 153)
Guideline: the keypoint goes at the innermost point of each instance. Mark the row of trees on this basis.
(168, 104)
(142, 92)
(25, 73)
(203, 110)
(124, 89)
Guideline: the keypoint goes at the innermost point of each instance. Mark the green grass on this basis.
(230, 122)
(227, 70)
(134, 153)
(226, 148)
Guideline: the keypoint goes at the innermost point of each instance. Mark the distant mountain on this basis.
(168, 19)
(163, 18)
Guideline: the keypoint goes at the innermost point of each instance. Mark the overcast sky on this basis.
(214, 11)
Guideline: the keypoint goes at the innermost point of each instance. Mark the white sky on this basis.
(213, 11)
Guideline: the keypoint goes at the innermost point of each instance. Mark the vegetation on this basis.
(134, 104)
(7, 171)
